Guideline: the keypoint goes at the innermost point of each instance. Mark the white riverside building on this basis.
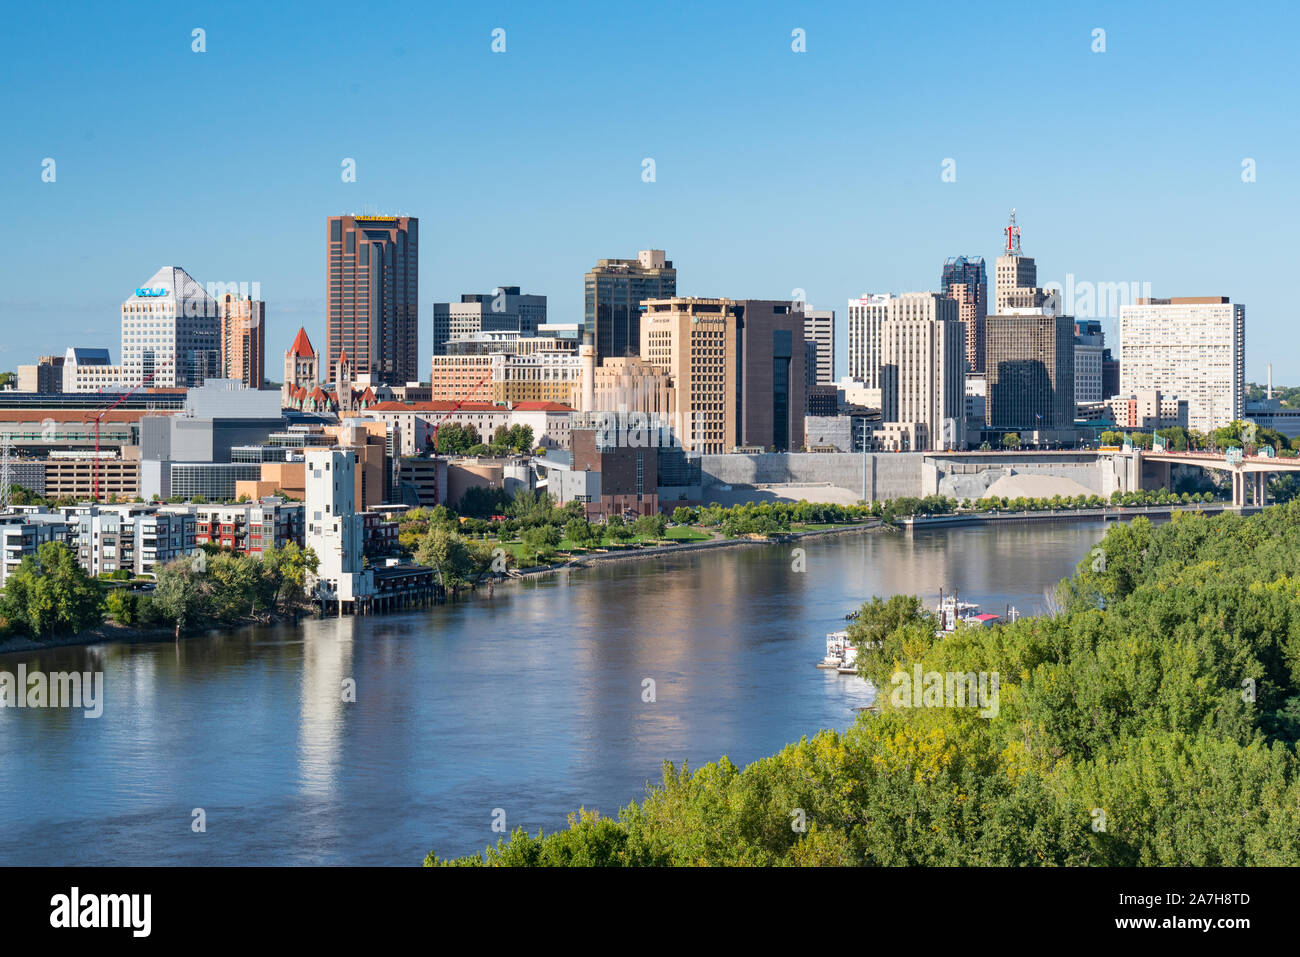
(1192, 348)
(171, 332)
(334, 530)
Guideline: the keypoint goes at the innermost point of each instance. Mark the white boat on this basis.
(837, 647)
(951, 610)
(849, 664)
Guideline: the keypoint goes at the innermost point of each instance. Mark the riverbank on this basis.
(110, 632)
(1116, 514)
(658, 551)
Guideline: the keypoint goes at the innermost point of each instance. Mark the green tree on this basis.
(653, 526)
(443, 549)
(181, 596)
(579, 532)
(1011, 440)
(49, 594)
(121, 605)
(540, 540)
(616, 529)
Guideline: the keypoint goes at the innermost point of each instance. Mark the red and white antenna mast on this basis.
(1013, 236)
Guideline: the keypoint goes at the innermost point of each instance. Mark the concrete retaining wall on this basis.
(915, 474)
(888, 475)
(969, 476)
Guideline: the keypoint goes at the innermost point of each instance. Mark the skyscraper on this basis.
(866, 314)
(771, 378)
(372, 291)
(1030, 357)
(737, 370)
(170, 332)
(243, 339)
(1193, 348)
(695, 342)
(923, 373)
(613, 293)
(966, 281)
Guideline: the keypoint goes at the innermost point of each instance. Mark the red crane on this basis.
(455, 406)
(98, 416)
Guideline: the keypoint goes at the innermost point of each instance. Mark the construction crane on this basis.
(456, 406)
(98, 416)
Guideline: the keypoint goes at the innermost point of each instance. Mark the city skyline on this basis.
(592, 202)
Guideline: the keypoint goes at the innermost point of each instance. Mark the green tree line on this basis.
(50, 594)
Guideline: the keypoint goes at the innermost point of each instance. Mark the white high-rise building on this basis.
(923, 373)
(1191, 348)
(866, 314)
(171, 332)
(334, 530)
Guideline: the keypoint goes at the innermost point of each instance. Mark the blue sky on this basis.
(775, 170)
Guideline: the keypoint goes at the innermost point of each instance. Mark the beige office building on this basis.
(1193, 348)
(923, 373)
(694, 342)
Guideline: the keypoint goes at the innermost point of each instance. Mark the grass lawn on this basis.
(687, 533)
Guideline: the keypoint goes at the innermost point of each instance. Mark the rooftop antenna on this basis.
(1013, 236)
(1270, 380)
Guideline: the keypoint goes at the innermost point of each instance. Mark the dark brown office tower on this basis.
(1030, 359)
(771, 381)
(372, 290)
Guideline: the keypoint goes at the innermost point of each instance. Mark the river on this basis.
(525, 704)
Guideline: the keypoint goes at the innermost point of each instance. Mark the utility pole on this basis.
(864, 460)
(6, 472)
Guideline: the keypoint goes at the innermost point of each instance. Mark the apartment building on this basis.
(250, 528)
(136, 538)
(1190, 347)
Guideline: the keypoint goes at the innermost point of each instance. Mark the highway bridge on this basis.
(1150, 469)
